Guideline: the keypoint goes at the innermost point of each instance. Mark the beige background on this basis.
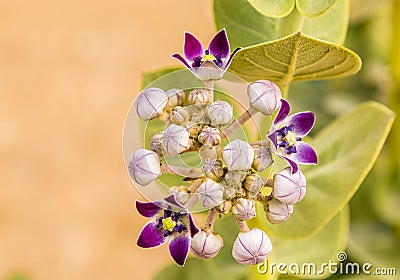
(69, 71)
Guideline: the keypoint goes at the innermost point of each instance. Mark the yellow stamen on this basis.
(168, 224)
(291, 138)
(208, 57)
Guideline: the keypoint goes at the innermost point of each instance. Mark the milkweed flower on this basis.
(286, 136)
(144, 166)
(207, 64)
(170, 222)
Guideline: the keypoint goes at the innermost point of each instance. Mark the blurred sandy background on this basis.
(69, 71)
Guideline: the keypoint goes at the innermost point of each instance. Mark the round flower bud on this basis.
(199, 96)
(277, 212)
(253, 183)
(213, 168)
(234, 179)
(151, 103)
(180, 115)
(176, 97)
(193, 128)
(206, 244)
(244, 209)
(265, 96)
(181, 193)
(238, 155)
(220, 112)
(155, 142)
(144, 166)
(225, 207)
(210, 193)
(262, 158)
(210, 136)
(289, 188)
(251, 247)
(175, 139)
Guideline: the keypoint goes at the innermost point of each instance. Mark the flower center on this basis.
(287, 139)
(168, 224)
(208, 56)
(290, 138)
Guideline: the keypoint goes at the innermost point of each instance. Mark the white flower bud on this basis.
(210, 193)
(225, 207)
(155, 142)
(277, 212)
(181, 193)
(199, 96)
(176, 97)
(238, 155)
(220, 112)
(289, 188)
(193, 128)
(244, 209)
(206, 244)
(144, 166)
(251, 247)
(234, 179)
(210, 136)
(265, 96)
(151, 103)
(213, 168)
(262, 158)
(253, 183)
(175, 139)
(180, 115)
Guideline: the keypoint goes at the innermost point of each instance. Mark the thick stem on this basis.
(181, 171)
(269, 183)
(239, 122)
(212, 214)
(242, 225)
(209, 85)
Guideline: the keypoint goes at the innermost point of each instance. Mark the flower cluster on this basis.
(230, 180)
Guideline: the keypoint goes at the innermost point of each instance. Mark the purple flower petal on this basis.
(181, 59)
(305, 154)
(292, 164)
(219, 45)
(273, 137)
(151, 236)
(179, 248)
(148, 209)
(230, 59)
(302, 122)
(283, 112)
(171, 199)
(192, 226)
(192, 47)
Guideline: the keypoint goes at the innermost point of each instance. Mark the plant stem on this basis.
(212, 214)
(182, 171)
(209, 85)
(242, 225)
(239, 121)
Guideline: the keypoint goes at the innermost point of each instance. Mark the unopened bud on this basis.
(180, 115)
(144, 166)
(155, 142)
(238, 155)
(176, 97)
(207, 152)
(234, 179)
(210, 193)
(151, 103)
(225, 207)
(206, 244)
(251, 247)
(244, 209)
(265, 96)
(199, 96)
(277, 212)
(220, 112)
(175, 139)
(262, 158)
(181, 193)
(210, 136)
(253, 183)
(213, 168)
(193, 128)
(289, 188)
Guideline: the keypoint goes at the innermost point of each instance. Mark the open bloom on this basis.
(286, 136)
(206, 64)
(172, 222)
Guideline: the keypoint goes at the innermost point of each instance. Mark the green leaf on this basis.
(273, 8)
(313, 8)
(347, 149)
(246, 26)
(297, 57)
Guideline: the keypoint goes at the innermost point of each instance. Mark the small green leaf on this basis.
(313, 8)
(297, 57)
(347, 149)
(273, 8)
(246, 26)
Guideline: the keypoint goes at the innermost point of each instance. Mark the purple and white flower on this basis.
(286, 136)
(170, 222)
(207, 64)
